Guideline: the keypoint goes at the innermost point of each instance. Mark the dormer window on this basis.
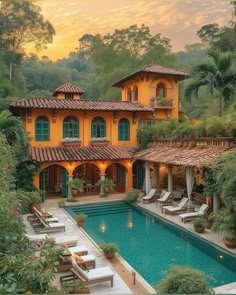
(69, 96)
(161, 90)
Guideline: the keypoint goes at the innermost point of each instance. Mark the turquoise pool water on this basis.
(150, 244)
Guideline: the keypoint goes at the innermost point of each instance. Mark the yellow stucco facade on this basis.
(158, 92)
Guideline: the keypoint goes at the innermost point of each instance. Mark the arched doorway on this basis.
(138, 174)
(91, 176)
(118, 174)
(53, 181)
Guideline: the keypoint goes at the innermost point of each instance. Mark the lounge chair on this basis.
(172, 210)
(190, 216)
(85, 261)
(93, 276)
(40, 215)
(66, 241)
(151, 196)
(79, 250)
(43, 226)
(166, 199)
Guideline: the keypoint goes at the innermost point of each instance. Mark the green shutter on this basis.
(123, 130)
(42, 185)
(64, 187)
(42, 129)
(65, 129)
(94, 129)
(102, 129)
(75, 129)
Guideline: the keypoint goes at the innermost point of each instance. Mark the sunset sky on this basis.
(178, 20)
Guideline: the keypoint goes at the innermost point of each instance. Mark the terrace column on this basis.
(156, 175)
(69, 194)
(170, 179)
(216, 202)
(147, 177)
(102, 177)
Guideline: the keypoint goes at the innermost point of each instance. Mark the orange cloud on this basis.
(178, 20)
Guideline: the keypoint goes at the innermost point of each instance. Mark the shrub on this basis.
(199, 222)
(109, 248)
(131, 196)
(80, 217)
(184, 280)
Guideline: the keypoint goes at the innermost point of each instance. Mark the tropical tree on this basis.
(21, 23)
(218, 75)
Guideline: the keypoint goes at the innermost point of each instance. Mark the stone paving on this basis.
(123, 280)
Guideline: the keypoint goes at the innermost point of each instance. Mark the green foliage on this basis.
(199, 222)
(80, 217)
(61, 203)
(131, 196)
(218, 75)
(224, 222)
(107, 183)
(109, 248)
(76, 184)
(184, 280)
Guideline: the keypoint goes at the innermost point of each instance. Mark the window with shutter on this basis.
(98, 127)
(124, 130)
(70, 127)
(42, 129)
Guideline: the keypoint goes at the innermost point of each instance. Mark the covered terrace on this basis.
(192, 156)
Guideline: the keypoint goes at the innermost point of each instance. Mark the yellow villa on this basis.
(72, 137)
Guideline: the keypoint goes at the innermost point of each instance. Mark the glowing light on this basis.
(102, 227)
(221, 256)
(130, 220)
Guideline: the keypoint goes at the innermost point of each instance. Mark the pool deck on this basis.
(123, 279)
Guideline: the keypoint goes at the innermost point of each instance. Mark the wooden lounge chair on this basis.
(93, 276)
(151, 196)
(166, 199)
(39, 215)
(190, 216)
(43, 226)
(172, 210)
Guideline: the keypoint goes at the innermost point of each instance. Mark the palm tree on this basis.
(219, 75)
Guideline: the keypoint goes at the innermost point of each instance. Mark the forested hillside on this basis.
(99, 60)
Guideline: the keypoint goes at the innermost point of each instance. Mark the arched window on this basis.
(123, 130)
(161, 90)
(135, 93)
(70, 127)
(129, 94)
(98, 127)
(42, 129)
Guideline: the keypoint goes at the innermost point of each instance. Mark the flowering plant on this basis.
(100, 139)
(71, 139)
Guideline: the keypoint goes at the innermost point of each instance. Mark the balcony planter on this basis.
(71, 141)
(99, 141)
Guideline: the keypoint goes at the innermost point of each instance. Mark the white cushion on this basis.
(78, 249)
(100, 272)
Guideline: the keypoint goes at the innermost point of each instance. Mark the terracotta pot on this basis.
(109, 255)
(199, 229)
(80, 223)
(230, 243)
(208, 225)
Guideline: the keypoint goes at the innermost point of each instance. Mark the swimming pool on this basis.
(150, 244)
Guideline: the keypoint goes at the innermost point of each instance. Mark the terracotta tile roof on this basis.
(68, 88)
(83, 105)
(183, 156)
(154, 69)
(88, 153)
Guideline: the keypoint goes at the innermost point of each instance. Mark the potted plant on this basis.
(109, 249)
(80, 218)
(61, 203)
(224, 223)
(209, 221)
(106, 185)
(34, 201)
(76, 288)
(199, 225)
(131, 196)
(76, 185)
